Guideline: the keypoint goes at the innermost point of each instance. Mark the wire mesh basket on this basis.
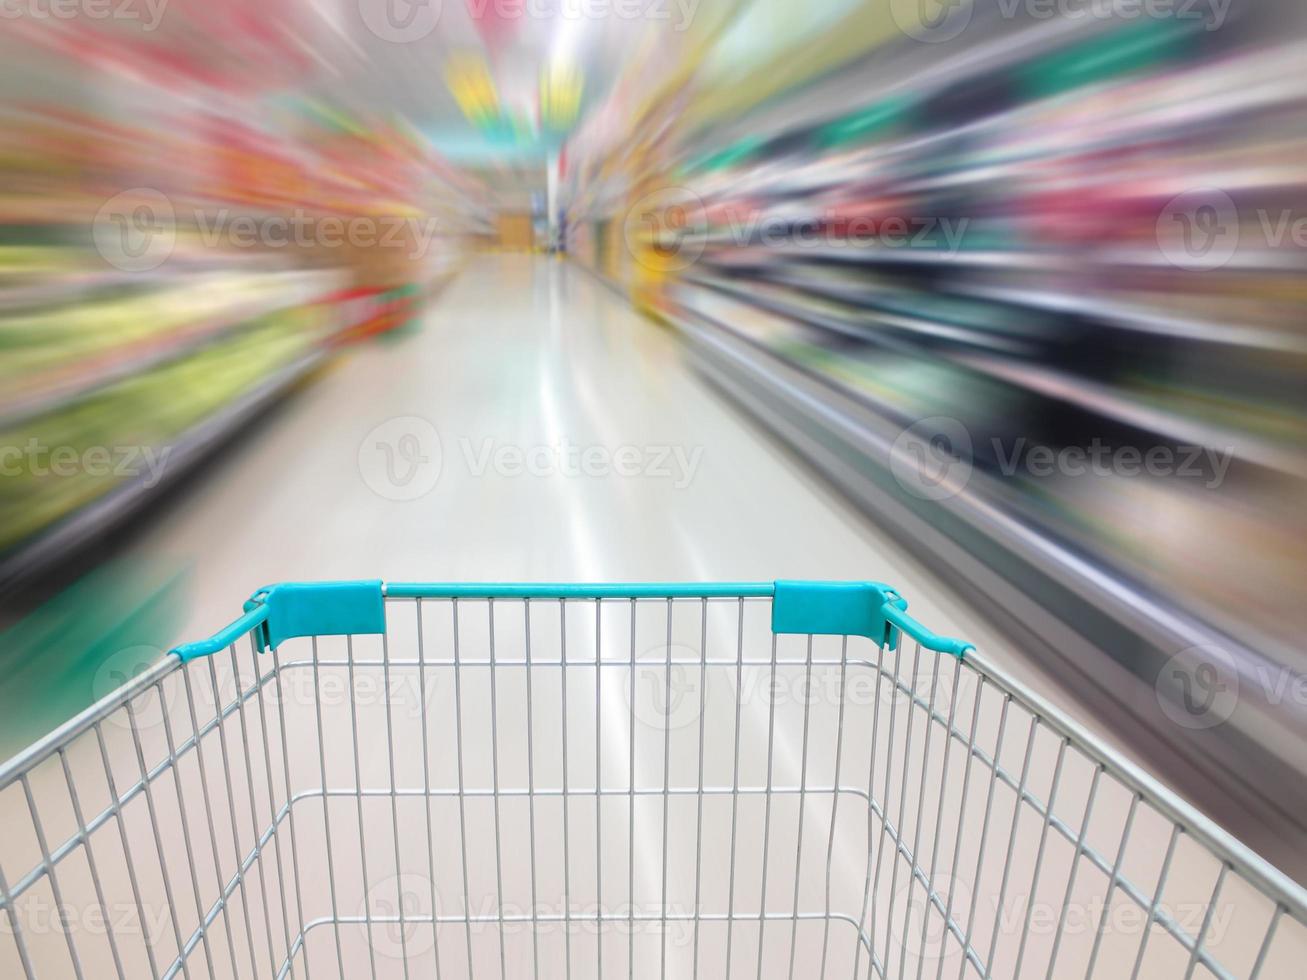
(773, 780)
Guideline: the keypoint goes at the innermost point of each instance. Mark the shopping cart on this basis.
(773, 780)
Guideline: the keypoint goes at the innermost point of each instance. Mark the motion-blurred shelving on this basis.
(167, 273)
(1107, 264)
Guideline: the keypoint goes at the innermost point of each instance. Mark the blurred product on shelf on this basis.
(175, 256)
(1032, 296)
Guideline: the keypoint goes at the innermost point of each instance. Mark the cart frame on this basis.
(279, 614)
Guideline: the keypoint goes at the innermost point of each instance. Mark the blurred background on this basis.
(998, 300)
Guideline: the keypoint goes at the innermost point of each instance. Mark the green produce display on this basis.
(59, 462)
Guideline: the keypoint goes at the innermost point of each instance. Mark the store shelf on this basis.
(1114, 404)
(904, 67)
(880, 255)
(962, 346)
(1132, 317)
(70, 290)
(98, 518)
(54, 389)
(1261, 260)
(1093, 624)
(867, 324)
(1141, 319)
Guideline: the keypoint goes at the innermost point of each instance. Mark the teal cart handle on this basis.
(869, 609)
(282, 612)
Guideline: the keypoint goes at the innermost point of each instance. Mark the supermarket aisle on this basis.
(543, 431)
(531, 375)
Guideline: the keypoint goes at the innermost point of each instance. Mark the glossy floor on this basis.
(535, 428)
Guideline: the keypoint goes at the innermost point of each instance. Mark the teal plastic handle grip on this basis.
(931, 641)
(224, 638)
(870, 609)
(281, 612)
